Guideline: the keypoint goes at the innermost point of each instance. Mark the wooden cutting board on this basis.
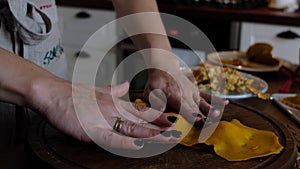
(60, 151)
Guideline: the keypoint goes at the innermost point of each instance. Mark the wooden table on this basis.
(60, 151)
(275, 81)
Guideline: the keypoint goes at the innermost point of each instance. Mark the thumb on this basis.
(115, 90)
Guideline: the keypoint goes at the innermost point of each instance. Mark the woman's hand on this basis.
(95, 115)
(182, 95)
(152, 41)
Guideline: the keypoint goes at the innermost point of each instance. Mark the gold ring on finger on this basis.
(118, 124)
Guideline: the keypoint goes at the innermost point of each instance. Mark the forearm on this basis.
(150, 25)
(19, 79)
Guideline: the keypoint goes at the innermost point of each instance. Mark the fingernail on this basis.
(198, 125)
(139, 142)
(196, 115)
(172, 119)
(162, 108)
(176, 133)
(217, 112)
(166, 133)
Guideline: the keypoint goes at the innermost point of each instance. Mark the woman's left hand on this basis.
(181, 94)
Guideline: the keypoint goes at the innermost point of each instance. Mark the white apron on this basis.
(28, 28)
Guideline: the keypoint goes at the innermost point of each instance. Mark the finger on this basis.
(158, 100)
(190, 110)
(204, 106)
(153, 126)
(209, 97)
(182, 105)
(114, 140)
(132, 129)
(165, 120)
(147, 114)
(186, 106)
(169, 136)
(116, 90)
(189, 106)
(216, 104)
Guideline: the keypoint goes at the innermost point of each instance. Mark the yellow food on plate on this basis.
(220, 80)
(293, 101)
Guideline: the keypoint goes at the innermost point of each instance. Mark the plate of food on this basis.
(226, 82)
(290, 103)
(257, 58)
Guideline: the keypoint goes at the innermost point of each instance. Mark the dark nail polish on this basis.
(176, 133)
(198, 125)
(196, 115)
(166, 133)
(139, 142)
(172, 119)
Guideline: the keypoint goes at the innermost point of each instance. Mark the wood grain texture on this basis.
(60, 151)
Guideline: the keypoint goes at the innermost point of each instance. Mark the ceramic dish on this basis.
(293, 112)
(238, 60)
(257, 83)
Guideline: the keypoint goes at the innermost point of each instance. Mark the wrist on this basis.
(42, 93)
(161, 59)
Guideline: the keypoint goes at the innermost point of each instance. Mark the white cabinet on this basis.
(287, 49)
(78, 25)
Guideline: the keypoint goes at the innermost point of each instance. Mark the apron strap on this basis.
(29, 30)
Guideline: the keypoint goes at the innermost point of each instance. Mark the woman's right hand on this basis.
(90, 118)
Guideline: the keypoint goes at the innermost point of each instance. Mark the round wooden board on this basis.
(60, 151)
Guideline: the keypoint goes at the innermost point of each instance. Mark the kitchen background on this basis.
(229, 24)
